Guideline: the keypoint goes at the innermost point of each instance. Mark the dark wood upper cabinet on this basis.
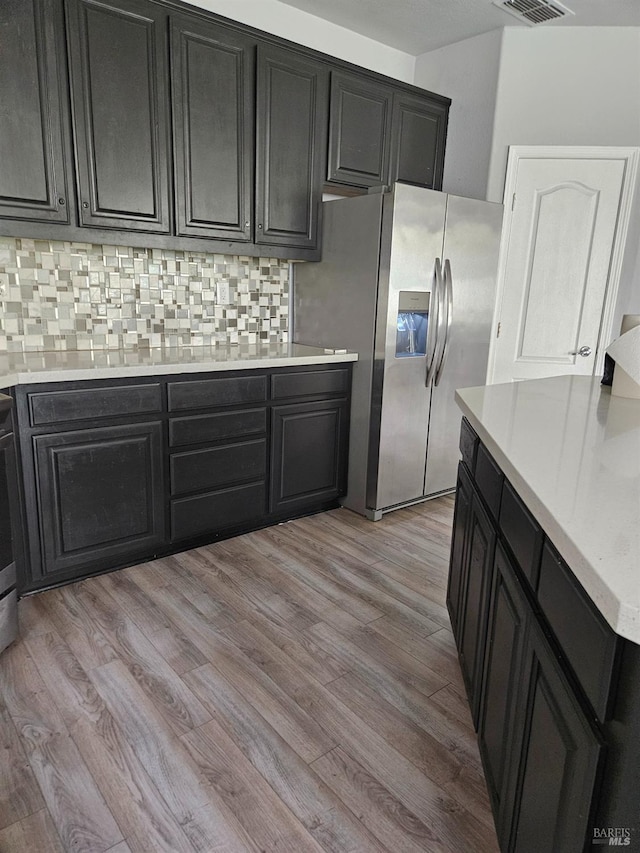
(292, 93)
(118, 60)
(33, 112)
(212, 71)
(418, 140)
(359, 131)
(147, 117)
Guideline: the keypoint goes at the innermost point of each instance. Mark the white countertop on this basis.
(22, 368)
(572, 452)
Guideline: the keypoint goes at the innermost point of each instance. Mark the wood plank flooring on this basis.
(295, 689)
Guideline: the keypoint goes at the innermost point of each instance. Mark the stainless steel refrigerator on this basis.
(407, 279)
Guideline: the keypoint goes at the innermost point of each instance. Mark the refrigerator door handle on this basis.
(433, 331)
(448, 287)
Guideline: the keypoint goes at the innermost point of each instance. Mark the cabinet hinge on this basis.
(513, 201)
(498, 330)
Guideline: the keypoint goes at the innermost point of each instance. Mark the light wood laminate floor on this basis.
(295, 689)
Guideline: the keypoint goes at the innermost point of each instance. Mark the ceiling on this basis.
(417, 26)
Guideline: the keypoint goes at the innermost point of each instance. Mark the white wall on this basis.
(539, 86)
(565, 86)
(311, 31)
(466, 72)
(571, 86)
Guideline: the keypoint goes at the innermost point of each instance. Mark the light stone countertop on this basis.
(24, 368)
(572, 452)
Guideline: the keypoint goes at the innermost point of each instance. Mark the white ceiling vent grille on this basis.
(534, 11)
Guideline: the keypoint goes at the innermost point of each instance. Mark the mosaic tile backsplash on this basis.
(57, 296)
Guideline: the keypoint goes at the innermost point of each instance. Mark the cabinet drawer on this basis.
(468, 445)
(200, 428)
(200, 393)
(51, 407)
(521, 532)
(588, 643)
(309, 383)
(200, 515)
(196, 470)
(489, 479)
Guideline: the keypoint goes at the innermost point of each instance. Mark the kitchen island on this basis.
(544, 597)
(127, 455)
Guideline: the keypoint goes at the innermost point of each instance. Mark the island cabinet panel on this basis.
(118, 59)
(359, 131)
(506, 626)
(457, 573)
(291, 118)
(34, 138)
(212, 71)
(476, 572)
(541, 668)
(100, 496)
(418, 141)
(556, 755)
(522, 533)
(589, 644)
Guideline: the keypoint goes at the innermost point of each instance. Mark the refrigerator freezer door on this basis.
(412, 237)
(471, 245)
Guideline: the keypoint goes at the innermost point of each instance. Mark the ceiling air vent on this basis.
(534, 11)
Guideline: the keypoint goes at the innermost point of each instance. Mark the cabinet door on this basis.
(477, 566)
(290, 137)
(506, 628)
(419, 134)
(100, 497)
(212, 71)
(458, 548)
(308, 454)
(359, 131)
(557, 752)
(118, 67)
(33, 180)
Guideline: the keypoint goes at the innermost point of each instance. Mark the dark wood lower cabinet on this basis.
(502, 666)
(458, 543)
(308, 454)
(555, 755)
(100, 496)
(552, 730)
(478, 562)
(117, 472)
(540, 751)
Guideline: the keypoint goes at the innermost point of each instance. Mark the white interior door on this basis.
(564, 231)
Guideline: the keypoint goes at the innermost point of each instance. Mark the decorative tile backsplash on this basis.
(79, 296)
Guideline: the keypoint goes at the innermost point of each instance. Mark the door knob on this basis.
(585, 352)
